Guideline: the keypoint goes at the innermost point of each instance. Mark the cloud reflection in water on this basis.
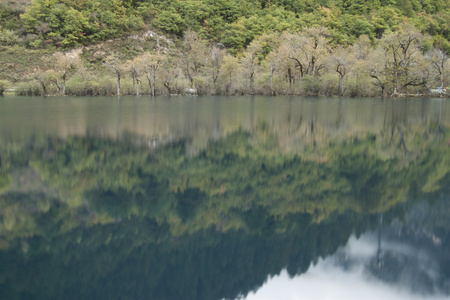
(346, 276)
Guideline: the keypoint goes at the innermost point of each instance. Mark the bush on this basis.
(8, 38)
(107, 86)
(360, 87)
(310, 85)
(32, 88)
(329, 85)
(3, 86)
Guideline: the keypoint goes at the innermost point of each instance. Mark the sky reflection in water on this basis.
(331, 279)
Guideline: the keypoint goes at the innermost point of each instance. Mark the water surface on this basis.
(224, 198)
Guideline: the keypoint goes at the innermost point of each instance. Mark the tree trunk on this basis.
(272, 70)
(118, 83)
(153, 87)
(137, 86)
(251, 82)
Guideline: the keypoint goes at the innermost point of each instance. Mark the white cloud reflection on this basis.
(328, 279)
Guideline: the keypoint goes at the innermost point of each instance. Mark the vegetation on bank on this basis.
(351, 48)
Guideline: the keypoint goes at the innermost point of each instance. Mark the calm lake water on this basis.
(224, 198)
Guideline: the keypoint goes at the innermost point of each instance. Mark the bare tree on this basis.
(169, 72)
(135, 67)
(150, 64)
(64, 64)
(307, 49)
(216, 56)
(438, 58)
(341, 60)
(45, 78)
(227, 73)
(250, 62)
(193, 56)
(114, 63)
(402, 62)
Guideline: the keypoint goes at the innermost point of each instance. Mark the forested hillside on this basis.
(226, 47)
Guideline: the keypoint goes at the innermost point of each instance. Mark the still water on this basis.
(224, 198)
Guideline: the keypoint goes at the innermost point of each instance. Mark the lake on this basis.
(224, 198)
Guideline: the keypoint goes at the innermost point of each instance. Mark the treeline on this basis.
(288, 63)
(351, 48)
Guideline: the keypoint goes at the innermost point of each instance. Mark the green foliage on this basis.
(171, 22)
(70, 23)
(30, 88)
(3, 86)
(8, 38)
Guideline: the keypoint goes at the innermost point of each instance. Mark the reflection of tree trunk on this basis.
(379, 251)
(118, 119)
(339, 115)
(402, 141)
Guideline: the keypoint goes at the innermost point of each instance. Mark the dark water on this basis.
(224, 198)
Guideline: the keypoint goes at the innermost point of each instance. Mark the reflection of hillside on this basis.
(234, 180)
(118, 220)
(119, 261)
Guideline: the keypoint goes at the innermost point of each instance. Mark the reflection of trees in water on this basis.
(414, 251)
(238, 173)
(117, 261)
(139, 221)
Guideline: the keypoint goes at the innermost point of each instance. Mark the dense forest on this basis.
(296, 47)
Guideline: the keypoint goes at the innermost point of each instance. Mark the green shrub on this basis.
(310, 85)
(107, 86)
(329, 85)
(3, 86)
(8, 38)
(31, 88)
